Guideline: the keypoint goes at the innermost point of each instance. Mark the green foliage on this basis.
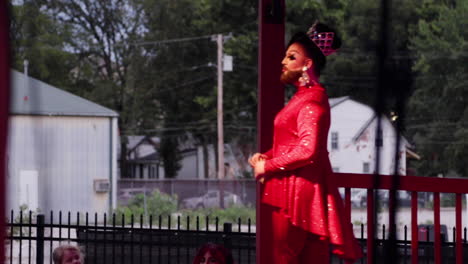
(25, 216)
(438, 106)
(37, 38)
(233, 214)
(162, 208)
(155, 205)
(428, 222)
(357, 223)
(447, 200)
(228, 215)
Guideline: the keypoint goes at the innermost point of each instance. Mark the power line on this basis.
(166, 41)
(185, 84)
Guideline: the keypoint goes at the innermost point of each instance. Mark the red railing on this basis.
(414, 184)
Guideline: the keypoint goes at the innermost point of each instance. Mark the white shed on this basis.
(61, 150)
(351, 139)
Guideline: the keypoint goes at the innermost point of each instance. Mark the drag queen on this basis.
(307, 216)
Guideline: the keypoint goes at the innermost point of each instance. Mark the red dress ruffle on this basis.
(299, 178)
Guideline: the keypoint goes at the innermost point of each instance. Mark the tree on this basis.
(426, 49)
(101, 33)
(36, 38)
(180, 74)
(438, 107)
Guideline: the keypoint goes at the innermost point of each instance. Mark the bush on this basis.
(155, 204)
(447, 200)
(163, 207)
(228, 215)
(25, 216)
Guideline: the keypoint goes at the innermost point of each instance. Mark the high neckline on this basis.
(303, 88)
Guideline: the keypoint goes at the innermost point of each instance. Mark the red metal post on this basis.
(4, 110)
(370, 226)
(437, 238)
(270, 100)
(458, 226)
(270, 55)
(347, 202)
(414, 228)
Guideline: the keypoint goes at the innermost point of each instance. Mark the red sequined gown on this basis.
(298, 174)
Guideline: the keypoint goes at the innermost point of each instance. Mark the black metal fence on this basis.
(31, 239)
(110, 240)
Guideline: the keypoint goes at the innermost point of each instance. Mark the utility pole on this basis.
(221, 66)
(26, 67)
(219, 41)
(219, 38)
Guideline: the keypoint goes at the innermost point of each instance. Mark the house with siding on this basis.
(352, 139)
(62, 150)
(144, 160)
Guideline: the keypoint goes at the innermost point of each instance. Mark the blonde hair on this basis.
(59, 251)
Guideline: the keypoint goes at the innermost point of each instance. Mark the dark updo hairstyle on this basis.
(220, 253)
(311, 48)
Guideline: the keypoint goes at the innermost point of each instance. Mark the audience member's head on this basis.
(67, 254)
(213, 254)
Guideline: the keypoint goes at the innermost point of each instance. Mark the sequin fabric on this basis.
(299, 179)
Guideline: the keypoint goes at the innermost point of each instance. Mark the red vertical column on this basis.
(347, 202)
(414, 229)
(270, 101)
(4, 107)
(370, 226)
(437, 238)
(458, 228)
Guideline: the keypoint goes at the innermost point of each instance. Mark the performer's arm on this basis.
(268, 154)
(309, 122)
(259, 156)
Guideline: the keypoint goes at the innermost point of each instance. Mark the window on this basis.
(334, 140)
(131, 172)
(153, 173)
(142, 169)
(366, 167)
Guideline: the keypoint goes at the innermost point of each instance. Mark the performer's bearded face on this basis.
(290, 77)
(293, 62)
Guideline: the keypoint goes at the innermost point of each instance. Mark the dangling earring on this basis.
(304, 80)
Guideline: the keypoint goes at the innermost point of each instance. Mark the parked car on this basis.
(426, 232)
(404, 198)
(211, 199)
(359, 198)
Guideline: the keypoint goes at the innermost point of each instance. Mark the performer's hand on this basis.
(259, 169)
(255, 158)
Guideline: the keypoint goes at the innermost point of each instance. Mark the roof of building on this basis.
(135, 141)
(33, 97)
(337, 100)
